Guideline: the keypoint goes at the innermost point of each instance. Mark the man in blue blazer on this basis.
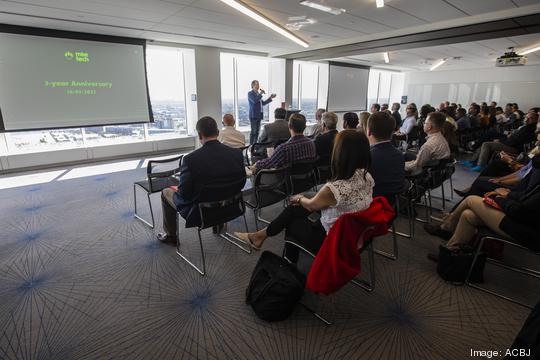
(214, 163)
(256, 104)
(387, 163)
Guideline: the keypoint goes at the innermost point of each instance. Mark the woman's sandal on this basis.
(245, 237)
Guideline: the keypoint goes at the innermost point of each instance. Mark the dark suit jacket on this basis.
(255, 104)
(213, 163)
(397, 117)
(521, 136)
(275, 131)
(324, 144)
(387, 169)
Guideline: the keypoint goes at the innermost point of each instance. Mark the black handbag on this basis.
(276, 286)
(454, 265)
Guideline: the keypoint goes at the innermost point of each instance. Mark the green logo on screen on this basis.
(78, 56)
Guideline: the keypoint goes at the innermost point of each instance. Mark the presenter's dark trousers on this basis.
(255, 127)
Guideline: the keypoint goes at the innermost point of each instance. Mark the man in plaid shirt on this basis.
(297, 148)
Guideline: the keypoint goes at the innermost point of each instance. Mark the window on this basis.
(237, 72)
(166, 71)
(306, 88)
(381, 87)
(43, 140)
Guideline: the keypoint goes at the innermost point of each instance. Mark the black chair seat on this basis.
(158, 184)
(249, 199)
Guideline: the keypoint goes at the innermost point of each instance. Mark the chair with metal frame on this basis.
(393, 199)
(369, 286)
(302, 176)
(218, 204)
(258, 151)
(269, 187)
(486, 234)
(155, 182)
(245, 153)
(323, 169)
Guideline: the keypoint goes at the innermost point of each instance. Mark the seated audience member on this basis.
(350, 121)
(364, 116)
(518, 113)
(396, 114)
(499, 115)
(348, 190)
(517, 218)
(474, 115)
(316, 129)
(493, 104)
(435, 148)
(442, 106)
(450, 117)
(212, 162)
(324, 143)
(463, 122)
(374, 108)
(449, 132)
(425, 110)
(229, 135)
(484, 116)
(298, 147)
(276, 131)
(526, 176)
(387, 164)
(513, 144)
(410, 120)
(384, 107)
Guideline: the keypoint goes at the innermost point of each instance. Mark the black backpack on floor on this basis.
(275, 287)
(454, 265)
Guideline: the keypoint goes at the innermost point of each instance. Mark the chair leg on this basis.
(368, 286)
(443, 197)
(237, 241)
(179, 253)
(394, 254)
(151, 225)
(478, 287)
(451, 189)
(256, 219)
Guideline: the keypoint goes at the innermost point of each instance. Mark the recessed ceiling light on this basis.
(255, 15)
(322, 7)
(525, 52)
(386, 57)
(439, 63)
(380, 3)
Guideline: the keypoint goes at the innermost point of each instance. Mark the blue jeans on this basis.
(255, 127)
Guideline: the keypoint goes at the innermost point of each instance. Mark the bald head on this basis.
(228, 120)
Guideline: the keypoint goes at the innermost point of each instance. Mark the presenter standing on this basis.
(256, 104)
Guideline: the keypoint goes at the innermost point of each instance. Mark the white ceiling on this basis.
(211, 22)
(475, 54)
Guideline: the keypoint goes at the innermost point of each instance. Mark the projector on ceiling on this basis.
(510, 58)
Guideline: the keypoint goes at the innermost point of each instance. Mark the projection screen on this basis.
(63, 79)
(347, 87)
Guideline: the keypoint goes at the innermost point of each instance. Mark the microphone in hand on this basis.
(262, 91)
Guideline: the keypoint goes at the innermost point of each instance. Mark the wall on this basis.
(510, 84)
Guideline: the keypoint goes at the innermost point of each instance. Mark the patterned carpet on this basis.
(80, 278)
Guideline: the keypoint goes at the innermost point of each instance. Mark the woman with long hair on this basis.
(349, 189)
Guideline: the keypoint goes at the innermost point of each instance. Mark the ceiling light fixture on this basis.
(525, 52)
(437, 64)
(321, 7)
(380, 3)
(255, 15)
(386, 57)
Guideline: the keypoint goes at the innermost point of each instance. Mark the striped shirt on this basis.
(296, 148)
